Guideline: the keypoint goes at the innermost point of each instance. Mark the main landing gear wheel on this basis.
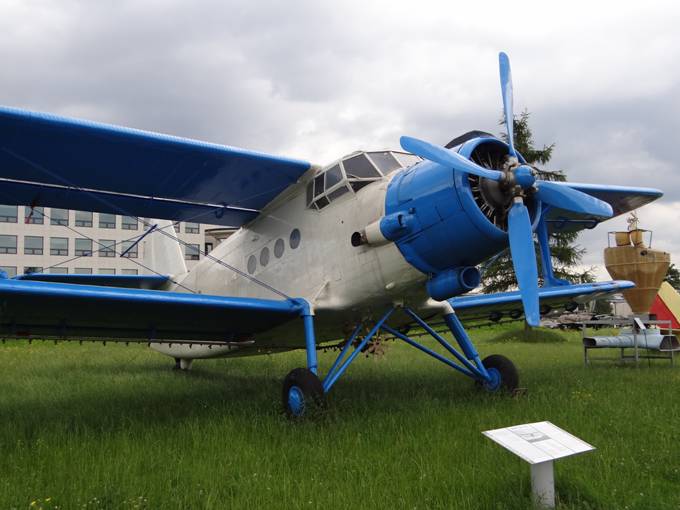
(503, 374)
(302, 393)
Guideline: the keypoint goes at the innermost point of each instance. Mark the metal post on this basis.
(543, 484)
(546, 258)
(544, 243)
(310, 340)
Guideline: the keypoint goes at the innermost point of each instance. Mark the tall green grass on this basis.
(114, 427)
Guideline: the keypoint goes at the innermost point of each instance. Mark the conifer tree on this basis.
(498, 274)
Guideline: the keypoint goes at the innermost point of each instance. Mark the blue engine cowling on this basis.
(436, 222)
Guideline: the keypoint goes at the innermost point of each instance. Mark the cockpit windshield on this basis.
(385, 161)
(353, 173)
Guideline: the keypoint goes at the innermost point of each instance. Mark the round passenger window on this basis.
(264, 256)
(294, 239)
(252, 264)
(278, 248)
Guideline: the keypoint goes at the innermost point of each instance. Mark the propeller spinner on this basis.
(516, 181)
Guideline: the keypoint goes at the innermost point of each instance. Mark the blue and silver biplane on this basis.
(382, 242)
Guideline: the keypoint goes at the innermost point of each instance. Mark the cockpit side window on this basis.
(326, 187)
(318, 185)
(333, 176)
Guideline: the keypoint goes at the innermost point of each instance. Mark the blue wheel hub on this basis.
(296, 401)
(494, 382)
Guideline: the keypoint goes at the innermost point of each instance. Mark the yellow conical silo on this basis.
(632, 260)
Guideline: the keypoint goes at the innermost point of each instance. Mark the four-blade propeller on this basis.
(518, 180)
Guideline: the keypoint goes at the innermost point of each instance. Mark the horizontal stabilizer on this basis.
(55, 161)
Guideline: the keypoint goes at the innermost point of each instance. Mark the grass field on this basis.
(114, 427)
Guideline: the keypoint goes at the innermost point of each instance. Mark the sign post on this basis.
(539, 444)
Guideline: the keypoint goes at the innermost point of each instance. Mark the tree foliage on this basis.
(673, 277)
(498, 275)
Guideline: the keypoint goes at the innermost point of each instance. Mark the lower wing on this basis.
(476, 310)
(30, 309)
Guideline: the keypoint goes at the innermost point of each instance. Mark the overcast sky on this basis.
(315, 80)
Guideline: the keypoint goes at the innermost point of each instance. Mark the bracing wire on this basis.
(103, 247)
(148, 224)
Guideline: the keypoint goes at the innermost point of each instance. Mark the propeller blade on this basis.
(506, 92)
(524, 259)
(564, 197)
(447, 158)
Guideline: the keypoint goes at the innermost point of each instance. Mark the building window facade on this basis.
(8, 244)
(107, 220)
(58, 246)
(10, 270)
(59, 216)
(83, 247)
(192, 251)
(129, 223)
(192, 228)
(128, 249)
(83, 270)
(83, 219)
(33, 245)
(8, 214)
(107, 248)
(34, 215)
(106, 271)
(59, 270)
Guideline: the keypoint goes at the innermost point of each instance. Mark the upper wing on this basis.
(47, 160)
(86, 311)
(489, 308)
(621, 198)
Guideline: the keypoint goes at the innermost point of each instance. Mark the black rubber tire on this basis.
(509, 375)
(311, 387)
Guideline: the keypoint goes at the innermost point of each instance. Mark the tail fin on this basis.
(163, 253)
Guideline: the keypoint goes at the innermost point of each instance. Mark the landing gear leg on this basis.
(498, 372)
(302, 389)
(183, 364)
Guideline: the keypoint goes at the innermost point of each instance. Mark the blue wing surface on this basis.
(622, 199)
(52, 309)
(47, 160)
(485, 308)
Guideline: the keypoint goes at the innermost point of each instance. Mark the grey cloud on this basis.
(315, 80)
